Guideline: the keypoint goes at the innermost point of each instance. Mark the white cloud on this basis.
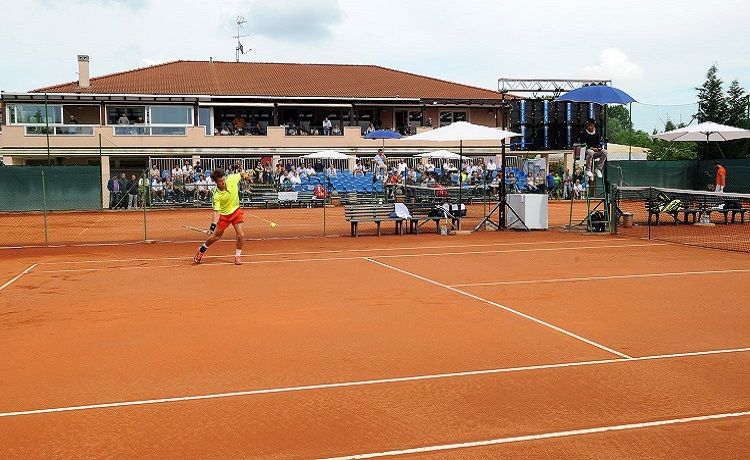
(613, 65)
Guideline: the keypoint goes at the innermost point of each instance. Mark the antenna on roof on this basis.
(240, 51)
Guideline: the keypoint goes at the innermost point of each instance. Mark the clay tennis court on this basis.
(495, 345)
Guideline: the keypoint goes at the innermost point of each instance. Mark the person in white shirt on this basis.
(294, 177)
(402, 167)
(326, 126)
(429, 167)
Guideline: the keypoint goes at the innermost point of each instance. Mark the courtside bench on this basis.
(378, 213)
(421, 213)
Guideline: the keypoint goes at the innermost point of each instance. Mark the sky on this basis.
(658, 51)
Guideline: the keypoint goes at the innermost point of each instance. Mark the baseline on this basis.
(542, 436)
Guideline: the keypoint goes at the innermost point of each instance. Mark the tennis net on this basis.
(705, 219)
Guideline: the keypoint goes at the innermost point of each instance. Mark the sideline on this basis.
(17, 276)
(356, 383)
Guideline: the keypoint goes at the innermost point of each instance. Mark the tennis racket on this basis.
(196, 229)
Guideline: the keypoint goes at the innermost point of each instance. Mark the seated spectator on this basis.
(370, 129)
(225, 131)
(331, 171)
(530, 187)
(293, 177)
(539, 182)
(157, 190)
(189, 189)
(336, 131)
(578, 190)
(358, 169)
(201, 188)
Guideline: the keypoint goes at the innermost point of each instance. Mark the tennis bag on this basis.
(597, 221)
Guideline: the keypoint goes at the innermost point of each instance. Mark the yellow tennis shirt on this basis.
(227, 201)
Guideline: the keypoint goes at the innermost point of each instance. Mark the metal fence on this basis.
(72, 205)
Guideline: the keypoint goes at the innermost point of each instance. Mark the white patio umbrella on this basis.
(328, 155)
(707, 131)
(463, 131)
(443, 154)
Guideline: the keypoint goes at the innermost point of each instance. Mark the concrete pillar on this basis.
(106, 176)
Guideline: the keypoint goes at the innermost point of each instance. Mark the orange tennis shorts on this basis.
(237, 217)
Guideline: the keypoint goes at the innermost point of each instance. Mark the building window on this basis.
(27, 114)
(131, 112)
(447, 118)
(171, 115)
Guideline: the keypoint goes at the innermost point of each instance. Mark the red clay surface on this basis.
(328, 342)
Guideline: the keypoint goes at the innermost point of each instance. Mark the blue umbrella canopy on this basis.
(598, 94)
(383, 134)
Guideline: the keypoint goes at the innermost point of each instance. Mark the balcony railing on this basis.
(41, 129)
(150, 130)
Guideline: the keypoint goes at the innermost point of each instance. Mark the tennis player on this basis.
(721, 177)
(226, 206)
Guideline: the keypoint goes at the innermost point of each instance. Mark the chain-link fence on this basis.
(69, 205)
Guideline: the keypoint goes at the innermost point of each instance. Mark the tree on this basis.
(737, 104)
(712, 105)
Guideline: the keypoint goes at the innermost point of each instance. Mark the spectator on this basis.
(370, 129)
(189, 189)
(179, 188)
(721, 177)
(567, 181)
(540, 183)
(530, 187)
(336, 131)
(578, 189)
(326, 126)
(318, 167)
(557, 181)
(114, 191)
(550, 182)
(239, 123)
(123, 120)
(157, 190)
(331, 171)
(428, 123)
(143, 186)
(201, 188)
(132, 187)
(359, 169)
(168, 189)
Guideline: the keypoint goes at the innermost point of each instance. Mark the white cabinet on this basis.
(531, 209)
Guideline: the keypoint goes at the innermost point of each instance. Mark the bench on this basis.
(689, 205)
(378, 213)
(424, 212)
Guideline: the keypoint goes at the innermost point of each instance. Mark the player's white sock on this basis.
(237, 252)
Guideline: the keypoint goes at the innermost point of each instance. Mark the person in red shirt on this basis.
(721, 177)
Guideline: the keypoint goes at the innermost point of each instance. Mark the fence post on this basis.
(44, 210)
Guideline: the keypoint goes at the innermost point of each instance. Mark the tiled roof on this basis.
(275, 80)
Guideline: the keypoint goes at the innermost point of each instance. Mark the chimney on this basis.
(83, 71)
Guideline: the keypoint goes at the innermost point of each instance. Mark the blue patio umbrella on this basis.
(598, 94)
(383, 134)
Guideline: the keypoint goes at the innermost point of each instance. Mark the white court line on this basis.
(337, 251)
(16, 278)
(541, 436)
(323, 259)
(508, 309)
(357, 383)
(611, 277)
